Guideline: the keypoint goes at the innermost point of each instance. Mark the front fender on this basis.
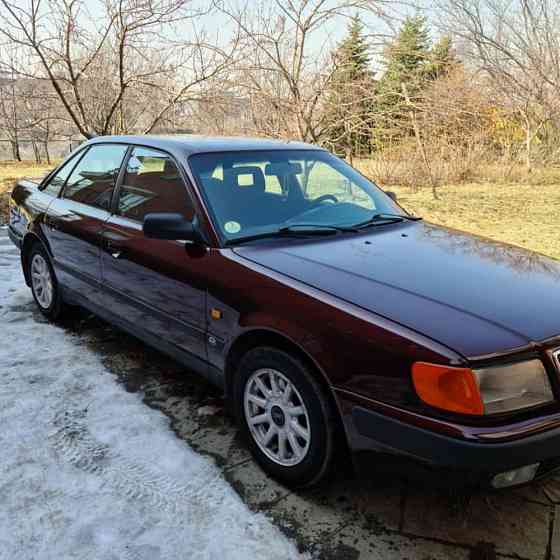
(293, 330)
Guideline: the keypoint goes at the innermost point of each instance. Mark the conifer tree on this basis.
(410, 64)
(406, 60)
(442, 58)
(351, 90)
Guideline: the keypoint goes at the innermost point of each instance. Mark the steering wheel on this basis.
(324, 198)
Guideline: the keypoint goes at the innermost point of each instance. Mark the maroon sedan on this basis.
(334, 320)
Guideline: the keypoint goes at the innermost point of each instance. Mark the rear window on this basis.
(56, 182)
(92, 181)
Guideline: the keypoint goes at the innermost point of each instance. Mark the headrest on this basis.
(249, 176)
(283, 168)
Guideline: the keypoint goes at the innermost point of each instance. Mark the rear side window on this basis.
(92, 181)
(152, 183)
(56, 182)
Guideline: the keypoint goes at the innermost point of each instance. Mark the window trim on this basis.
(120, 181)
(87, 150)
(201, 210)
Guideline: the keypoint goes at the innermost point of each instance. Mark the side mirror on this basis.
(167, 225)
(392, 195)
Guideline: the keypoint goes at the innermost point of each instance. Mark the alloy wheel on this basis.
(277, 417)
(41, 281)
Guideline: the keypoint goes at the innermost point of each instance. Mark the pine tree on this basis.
(442, 58)
(352, 53)
(405, 59)
(351, 87)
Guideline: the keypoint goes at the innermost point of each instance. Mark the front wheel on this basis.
(285, 416)
(44, 285)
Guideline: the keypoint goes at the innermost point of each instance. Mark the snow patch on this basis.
(89, 472)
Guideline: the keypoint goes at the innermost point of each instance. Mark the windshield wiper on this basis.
(324, 228)
(385, 218)
(293, 231)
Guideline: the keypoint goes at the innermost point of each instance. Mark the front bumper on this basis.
(443, 451)
(451, 460)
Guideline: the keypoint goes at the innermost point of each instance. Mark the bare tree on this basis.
(10, 118)
(45, 117)
(517, 44)
(115, 65)
(283, 72)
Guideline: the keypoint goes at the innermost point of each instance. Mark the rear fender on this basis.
(29, 240)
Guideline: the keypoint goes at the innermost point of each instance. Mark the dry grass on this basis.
(525, 215)
(10, 171)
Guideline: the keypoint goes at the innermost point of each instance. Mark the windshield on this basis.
(256, 192)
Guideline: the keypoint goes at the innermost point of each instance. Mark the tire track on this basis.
(73, 442)
(67, 492)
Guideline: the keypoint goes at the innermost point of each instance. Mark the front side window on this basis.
(92, 181)
(56, 182)
(257, 192)
(152, 183)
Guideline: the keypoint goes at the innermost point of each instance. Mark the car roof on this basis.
(188, 144)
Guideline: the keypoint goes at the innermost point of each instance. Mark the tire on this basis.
(313, 455)
(48, 300)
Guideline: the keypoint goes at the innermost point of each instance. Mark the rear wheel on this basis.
(44, 285)
(285, 416)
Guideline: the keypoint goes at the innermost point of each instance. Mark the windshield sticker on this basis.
(232, 227)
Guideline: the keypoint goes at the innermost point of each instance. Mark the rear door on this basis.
(156, 285)
(75, 219)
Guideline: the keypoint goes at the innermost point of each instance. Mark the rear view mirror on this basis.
(281, 169)
(167, 225)
(392, 195)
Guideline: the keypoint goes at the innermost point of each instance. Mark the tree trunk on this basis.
(47, 153)
(15, 150)
(36, 151)
(420, 143)
(529, 150)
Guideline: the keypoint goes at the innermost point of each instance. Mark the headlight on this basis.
(514, 386)
(483, 391)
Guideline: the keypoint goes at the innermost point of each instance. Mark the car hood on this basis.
(475, 295)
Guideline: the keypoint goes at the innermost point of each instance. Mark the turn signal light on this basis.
(449, 388)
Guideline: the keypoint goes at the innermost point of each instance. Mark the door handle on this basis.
(114, 250)
(52, 225)
(114, 243)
